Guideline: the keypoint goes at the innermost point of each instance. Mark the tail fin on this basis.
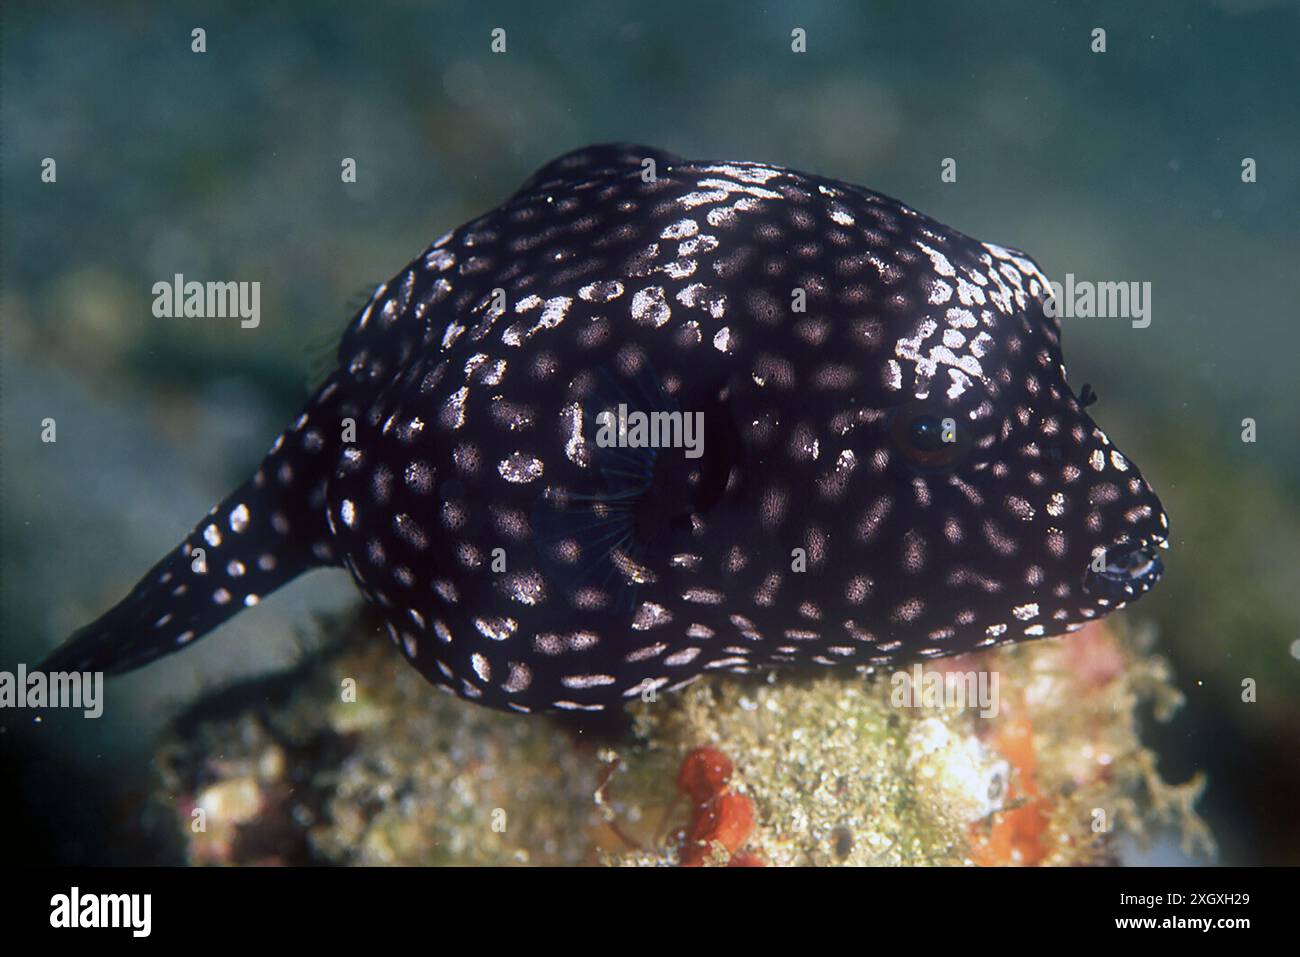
(264, 534)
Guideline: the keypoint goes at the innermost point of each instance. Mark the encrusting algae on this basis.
(837, 774)
(790, 769)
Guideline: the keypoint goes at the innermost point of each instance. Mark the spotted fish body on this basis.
(893, 466)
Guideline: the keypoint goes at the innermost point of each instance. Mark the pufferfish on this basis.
(886, 464)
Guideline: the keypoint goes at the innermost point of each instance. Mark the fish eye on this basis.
(928, 438)
(925, 434)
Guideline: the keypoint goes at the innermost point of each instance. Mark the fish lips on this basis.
(1130, 570)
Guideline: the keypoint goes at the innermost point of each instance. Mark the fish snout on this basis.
(1123, 571)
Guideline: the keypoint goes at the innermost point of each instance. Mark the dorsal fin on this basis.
(601, 159)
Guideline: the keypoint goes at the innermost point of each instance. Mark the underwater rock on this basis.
(838, 773)
(352, 760)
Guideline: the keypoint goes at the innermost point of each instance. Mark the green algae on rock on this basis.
(839, 775)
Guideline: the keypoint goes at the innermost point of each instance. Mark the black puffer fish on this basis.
(886, 461)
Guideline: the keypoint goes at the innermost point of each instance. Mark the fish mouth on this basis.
(1129, 571)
